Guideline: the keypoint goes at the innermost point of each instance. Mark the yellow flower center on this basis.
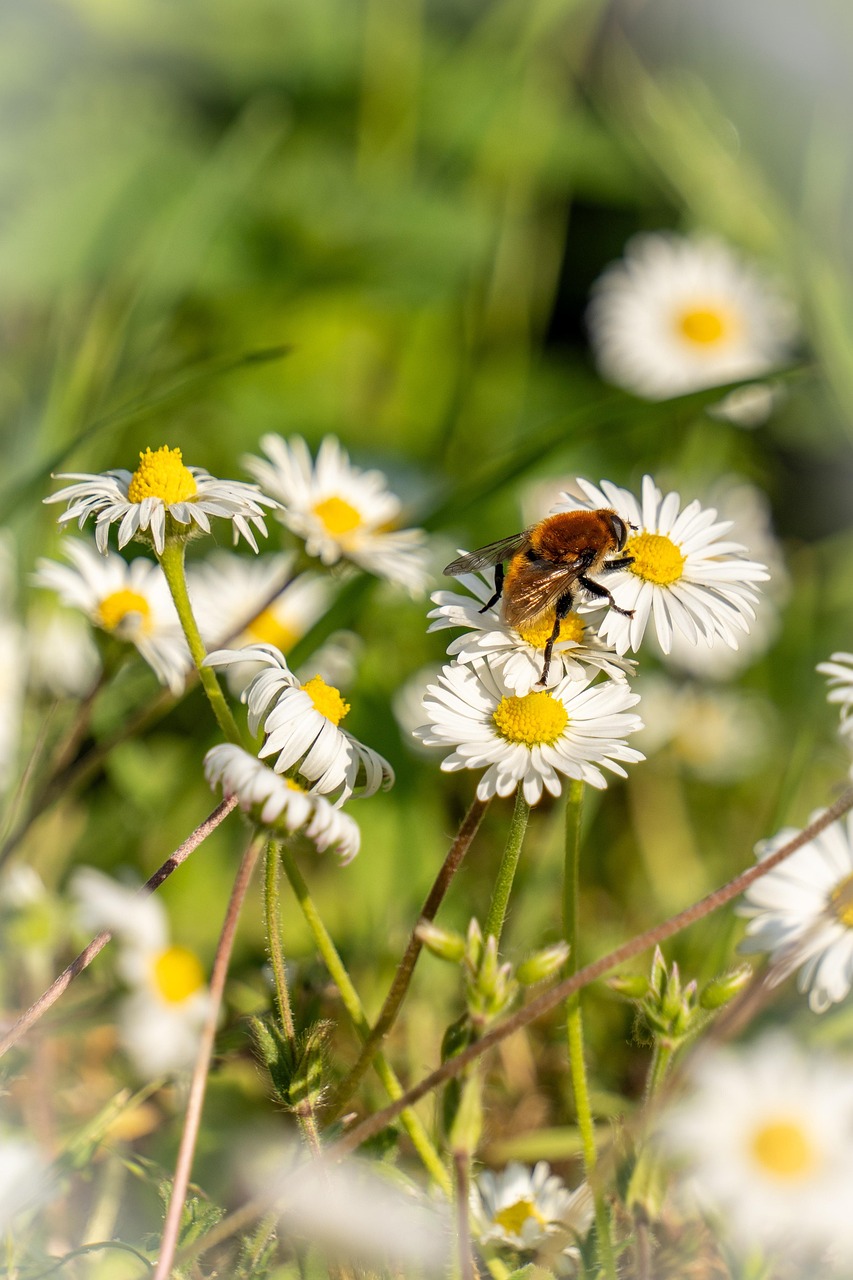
(326, 699)
(294, 786)
(783, 1150)
(513, 1217)
(539, 632)
(841, 901)
(705, 326)
(114, 608)
(656, 558)
(177, 974)
(267, 628)
(537, 719)
(337, 516)
(162, 475)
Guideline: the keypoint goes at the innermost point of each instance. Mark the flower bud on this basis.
(721, 990)
(542, 964)
(444, 943)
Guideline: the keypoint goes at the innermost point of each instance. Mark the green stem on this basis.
(662, 1057)
(506, 872)
(172, 563)
(574, 1028)
(413, 1125)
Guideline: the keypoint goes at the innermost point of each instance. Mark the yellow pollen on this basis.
(162, 475)
(514, 1216)
(841, 901)
(537, 719)
(267, 628)
(326, 699)
(177, 974)
(114, 608)
(338, 516)
(704, 326)
(539, 632)
(783, 1150)
(294, 786)
(656, 558)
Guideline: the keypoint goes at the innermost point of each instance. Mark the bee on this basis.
(548, 563)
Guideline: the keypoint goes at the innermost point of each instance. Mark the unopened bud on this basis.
(444, 943)
(633, 986)
(721, 990)
(542, 964)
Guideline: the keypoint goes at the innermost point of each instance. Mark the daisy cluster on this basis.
(548, 699)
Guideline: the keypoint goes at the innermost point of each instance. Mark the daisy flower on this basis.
(517, 655)
(161, 1019)
(685, 575)
(840, 672)
(680, 314)
(766, 1137)
(129, 601)
(340, 511)
(300, 723)
(63, 659)
(280, 804)
(801, 913)
(240, 601)
(529, 741)
(161, 500)
(524, 1208)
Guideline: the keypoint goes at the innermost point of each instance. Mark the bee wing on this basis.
(537, 585)
(494, 553)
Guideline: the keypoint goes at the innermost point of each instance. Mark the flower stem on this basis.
(172, 564)
(574, 1027)
(413, 1125)
(506, 872)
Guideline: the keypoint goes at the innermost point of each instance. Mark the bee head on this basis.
(619, 529)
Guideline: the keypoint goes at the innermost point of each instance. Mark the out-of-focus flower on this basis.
(718, 735)
(161, 1019)
(128, 601)
(766, 1138)
(801, 913)
(340, 511)
(300, 723)
(63, 658)
(161, 500)
(529, 741)
(280, 804)
(526, 1208)
(685, 575)
(517, 655)
(23, 1178)
(680, 314)
(840, 672)
(407, 703)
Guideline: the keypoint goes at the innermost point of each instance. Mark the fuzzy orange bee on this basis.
(548, 563)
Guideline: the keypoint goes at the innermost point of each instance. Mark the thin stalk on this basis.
(574, 1027)
(506, 872)
(198, 1084)
(172, 563)
(662, 1057)
(406, 967)
(462, 1164)
(415, 1129)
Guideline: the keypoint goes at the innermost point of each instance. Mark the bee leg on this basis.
(564, 606)
(623, 562)
(499, 586)
(596, 589)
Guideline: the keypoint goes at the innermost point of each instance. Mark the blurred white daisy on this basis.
(300, 723)
(161, 1019)
(128, 601)
(766, 1137)
(718, 735)
(524, 1208)
(24, 1179)
(162, 499)
(685, 575)
(280, 804)
(529, 741)
(517, 655)
(680, 314)
(801, 913)
(340, 511)
(63, 659)
(840, 672)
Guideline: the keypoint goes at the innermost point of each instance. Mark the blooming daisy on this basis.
(801, 912)
(679, 314)
(300, 723)
(568, 729)
(523, 1208)
(239, 601)
(129, 601)
(840, 672)
(341, 512)
(162, 1017)
(280, 804)
(767, 1140)
(685, 576)
(161, 500)
(517, 655)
